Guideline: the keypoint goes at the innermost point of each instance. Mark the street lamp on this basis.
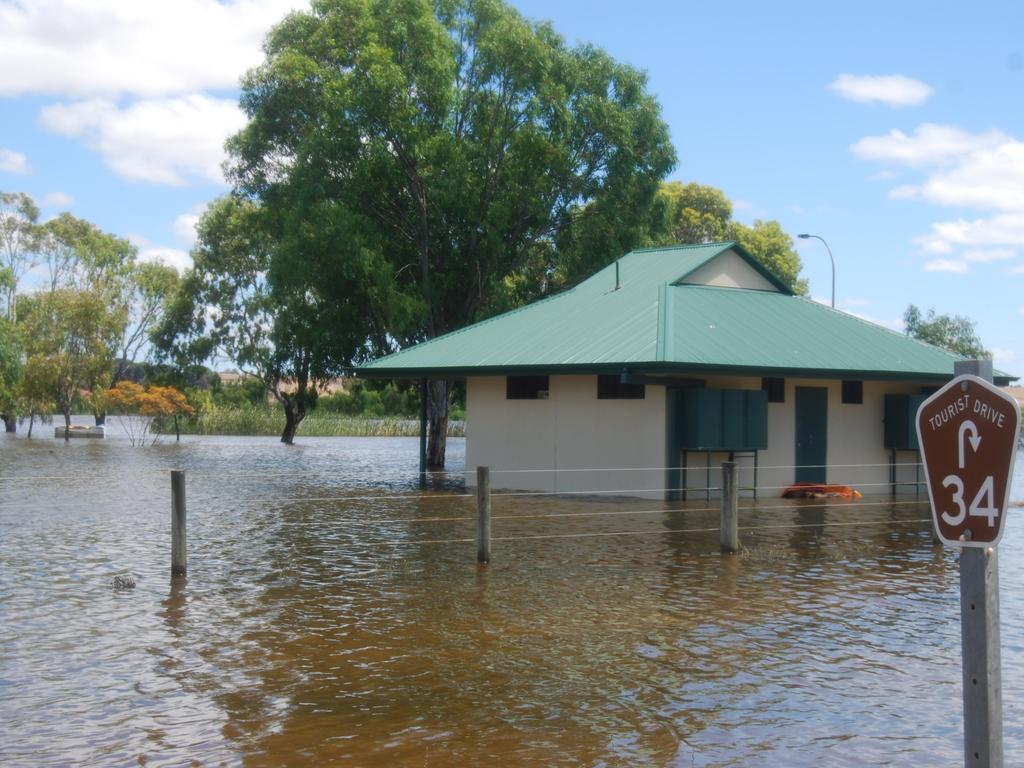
(831, 258)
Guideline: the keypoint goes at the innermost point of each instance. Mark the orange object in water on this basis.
(805, 490)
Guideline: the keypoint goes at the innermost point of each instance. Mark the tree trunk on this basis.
(101, 418)
(290, 426)
(31, 422)
(294, 413)
(437, 422)
(10, 423)
(67, 424)
(177, 430)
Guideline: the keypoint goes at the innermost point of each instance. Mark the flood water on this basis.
(329, 618)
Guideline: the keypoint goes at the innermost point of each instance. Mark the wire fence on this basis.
(511, 512)
(504, 498)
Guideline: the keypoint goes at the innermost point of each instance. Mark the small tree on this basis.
(10, 373)
(953, 332)
(19, 238)
(147, 404)
(35, 392)
(67, 336)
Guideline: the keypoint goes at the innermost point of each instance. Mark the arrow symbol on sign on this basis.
(975, 438)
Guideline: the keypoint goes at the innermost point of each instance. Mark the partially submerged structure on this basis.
(650, 373)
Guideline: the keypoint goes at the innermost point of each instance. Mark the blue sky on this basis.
(893, 130)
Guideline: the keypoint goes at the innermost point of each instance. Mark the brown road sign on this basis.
(968, 437)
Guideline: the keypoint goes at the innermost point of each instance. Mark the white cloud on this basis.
(135, 73)
(1005, 229)
(884, 175)
(109, 48)
(184, 226)
(906, 192)
(946, 265)
(929, 145)
(990, 255)
(1018, 270)
(149, 251)
(982, 171)
(13, 162)
(172, 257)
(893, 90)
(57, 200)
(162, 141)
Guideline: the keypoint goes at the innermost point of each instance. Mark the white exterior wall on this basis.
(856, 456)
(570, 430)
(574, 430)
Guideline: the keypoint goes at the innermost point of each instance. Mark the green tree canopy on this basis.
(452, 139)
(10, 371)
(953, 332)
(19, 237)
(78, 254)
(257, 296)
(67, 336)
(679, 214)
(769, 243)
(694, 213)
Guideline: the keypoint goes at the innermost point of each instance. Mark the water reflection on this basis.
(318, 626)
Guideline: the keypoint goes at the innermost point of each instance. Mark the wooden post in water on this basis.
(483, 515)
(729, 534)
(423, 432)
(979, 637)
(179, 553)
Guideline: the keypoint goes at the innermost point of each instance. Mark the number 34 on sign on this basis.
(968, 436)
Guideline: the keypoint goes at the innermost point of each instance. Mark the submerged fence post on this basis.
(483, 515)
(729, 534)
(179, 553)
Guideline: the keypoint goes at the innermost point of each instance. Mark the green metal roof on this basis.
(652, 324)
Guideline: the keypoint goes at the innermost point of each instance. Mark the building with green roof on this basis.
(644, 376)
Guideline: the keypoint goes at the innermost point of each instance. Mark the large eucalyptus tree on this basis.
(454, 140)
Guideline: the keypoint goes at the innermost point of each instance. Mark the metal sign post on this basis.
(968, 432)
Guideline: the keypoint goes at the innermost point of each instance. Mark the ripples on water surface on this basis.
(314, 630)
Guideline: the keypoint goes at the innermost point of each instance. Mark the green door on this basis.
(811, 434)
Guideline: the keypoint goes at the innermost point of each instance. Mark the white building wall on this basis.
(625, 439)
(729, 270)
(856, 453)
(571, 430)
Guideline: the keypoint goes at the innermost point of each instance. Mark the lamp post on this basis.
(831, 258)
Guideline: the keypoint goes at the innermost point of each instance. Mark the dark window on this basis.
(929, 390)
(526, 388)
(853, 392)
(776, 389)
(610, 387)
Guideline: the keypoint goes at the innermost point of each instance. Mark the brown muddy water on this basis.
(317, 628)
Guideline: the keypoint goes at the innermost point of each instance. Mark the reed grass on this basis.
(270, 422)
